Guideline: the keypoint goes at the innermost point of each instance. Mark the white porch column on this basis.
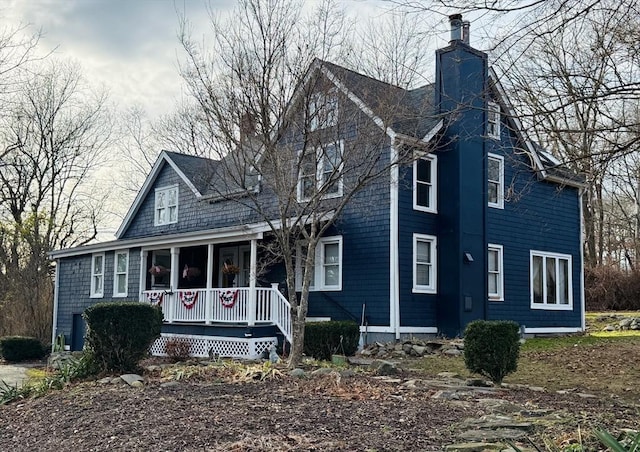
(251, 308)
(143, 274)
(175, 274)
(209, 292)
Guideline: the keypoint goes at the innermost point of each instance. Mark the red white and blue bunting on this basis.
(188, 298)
(228, 298)
(155, 297)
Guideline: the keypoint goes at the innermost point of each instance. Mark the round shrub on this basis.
(323, 339)
(120, 334)
(491, 348)
(19, 348)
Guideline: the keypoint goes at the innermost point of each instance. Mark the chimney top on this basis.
(455, 20)
(466, 25)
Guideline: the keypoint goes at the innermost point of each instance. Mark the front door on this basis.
(235, 264)
(77, 332)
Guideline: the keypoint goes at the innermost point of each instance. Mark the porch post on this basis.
(143, 274)
(209, 292)
(175, 274)
(251, 308)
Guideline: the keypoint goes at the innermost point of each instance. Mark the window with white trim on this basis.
(323, 110)
(424, 263)
(493, 120)
(166, 205)
(326, 273)
(120, 273)
(97, 275)
(495, 273)
(495, 181)
(425, 183)
(321, 171)
(551, 282)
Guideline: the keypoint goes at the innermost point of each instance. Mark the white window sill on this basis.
(424, 290)
(552, 307)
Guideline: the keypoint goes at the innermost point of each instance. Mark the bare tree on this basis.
(52, 140)
(279, 126)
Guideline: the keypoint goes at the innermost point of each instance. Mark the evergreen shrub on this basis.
(492, 348)
(120, 334)
(323, 339)
(19, 348)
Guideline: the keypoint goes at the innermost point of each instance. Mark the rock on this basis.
(419, 350)
(130, 379)
(104, 381)
(322, 371)
(348, 373)
(446, 395)
(448, 375)
(452, 352)
(381, 367)
(609, 328)
(586, 396)
(136, 384)
(297, 373)
(153, 368)
(625, 323)
(170, 384)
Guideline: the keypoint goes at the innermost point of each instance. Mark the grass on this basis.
(598, 362)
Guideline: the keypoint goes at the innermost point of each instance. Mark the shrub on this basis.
(18, 348)
(491, 348)
(323, 339)
(178, 349)
(607, 288)
(120, 334)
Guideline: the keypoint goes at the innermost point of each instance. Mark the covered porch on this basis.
(214, 283)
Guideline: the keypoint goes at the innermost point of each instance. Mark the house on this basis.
(485, 224)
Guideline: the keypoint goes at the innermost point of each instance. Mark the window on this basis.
(495, 186)
(493, 120)
(424, 263)
(97, 276)
(321, 172)
(327, 269)
(323, 110)
(120, 273)
(166, 207)
(424, 183)
(495, 273)
(551, 285)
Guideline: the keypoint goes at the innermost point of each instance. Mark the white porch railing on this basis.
(224, 306)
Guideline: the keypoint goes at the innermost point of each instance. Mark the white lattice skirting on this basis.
(226, 347)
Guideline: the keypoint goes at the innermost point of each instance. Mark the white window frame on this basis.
(500, 183)
(320, 156)
(433, 258)
(499, 294)
(319, 283)
(433, 192)
(97, 273)
(156, 210)
(557, 257)
(116, 274)
(323, 110)
(493, 120)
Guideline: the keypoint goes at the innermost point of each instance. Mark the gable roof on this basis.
(545, 165)
(194, 171)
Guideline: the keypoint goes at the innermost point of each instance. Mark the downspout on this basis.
(56, 290)
(583, 307)
(394, 277)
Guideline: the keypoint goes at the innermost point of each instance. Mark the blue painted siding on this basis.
(538, 216)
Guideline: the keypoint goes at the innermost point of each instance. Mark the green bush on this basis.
(323, 339)
(18, 348)
(491, 348)
(120, 334)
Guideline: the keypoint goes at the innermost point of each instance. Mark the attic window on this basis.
(320, 172)
(166, 205)
(493, 120)
(323, 110)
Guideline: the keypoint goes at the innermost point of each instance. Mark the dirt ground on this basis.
(352, 412)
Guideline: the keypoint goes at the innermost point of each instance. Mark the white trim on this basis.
(184, 178)
(419, 329)
(432, 288)
(433, 192)
(317, 319)
(557, 256)
(92, 293)
(56, 292)
(117, 294)
(320, 185)
(493, 117)
(553, 330)
(318, 265)
(500, 203)
(166, 191)
(499, 296)
(394, 245)
(377, 329)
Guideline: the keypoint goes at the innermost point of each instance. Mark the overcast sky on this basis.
(130, 46)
